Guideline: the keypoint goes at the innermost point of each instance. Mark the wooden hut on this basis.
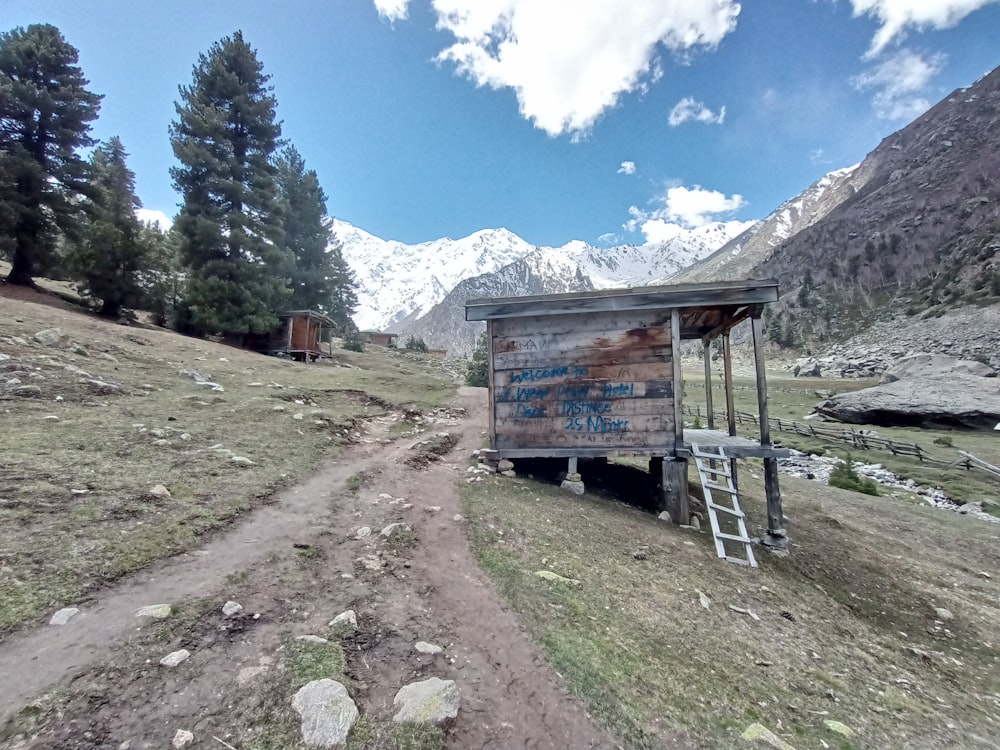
(599, 374)
(382, 338)
(298, 336)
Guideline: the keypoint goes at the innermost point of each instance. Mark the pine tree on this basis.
(345, 294)
(305, 233)
(224, 138)
(45, 116)
(113, 253)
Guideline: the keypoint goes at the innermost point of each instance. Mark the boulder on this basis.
(937, 402)
(935, 365)
(432, 700)
(327, 713)
(51, 337)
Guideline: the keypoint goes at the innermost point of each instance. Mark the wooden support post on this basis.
(707, 356)
(656, 474)
(727, 366)
(288, 345)
(675, 472)
(776, 535)
(490, 366)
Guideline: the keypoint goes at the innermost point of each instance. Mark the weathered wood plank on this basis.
(595, 424)
(618, 373)
(569, 342)
(598, 443)
(585, 390)
(562, 324)
(584, 357)
(589, 450)
(574, 408)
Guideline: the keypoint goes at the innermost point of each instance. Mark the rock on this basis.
(703, 599)
(311, 639)
(509, 473)
(577, 488)
(104, 388)
(182, 738)
(63, 616)
(760, 732)
(839, 727)
(363, 532)
(297, 417)
(432, 508)
(158, 490)
(665, 516)
(175, 657)
(326, 711)
(548, 575)
(395, 529)
(348, 618)
(505, 465)
(935, 365)
(249, 674)
(695, 523)
(196, 375)
(27, 391)
(231, 608)
(155, 611)
(945, 401)
(50, 337)
(943, 614)
(240, 461)
(432, 700)
(427, 648)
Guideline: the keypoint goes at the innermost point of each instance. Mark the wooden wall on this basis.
(305, 334)
(598, 381)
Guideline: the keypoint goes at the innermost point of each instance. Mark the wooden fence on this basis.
(858, 439)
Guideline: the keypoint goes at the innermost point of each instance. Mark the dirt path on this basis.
(511, 697)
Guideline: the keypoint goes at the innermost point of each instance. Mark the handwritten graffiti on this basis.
(596, 424)
(585, 408)
(525, 411)
(531, 376)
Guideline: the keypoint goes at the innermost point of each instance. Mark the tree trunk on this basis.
(22, 269)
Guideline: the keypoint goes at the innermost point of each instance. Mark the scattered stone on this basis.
(196, 375)
(548, 575)
(705, 601)
(760, 732)
(695, 523)
(665, 516)
(327, 713)
(457, 517)
(394, 529)
(363, 532)
(249, 674)
(240, 461)
(749, 612)
(64, 615)
(576, 488)
(103, 388)
(155, 611)
(50, 337)
(511, 473)
(505, 465)
(175, 657)
(839, 727)
(311, 639)
(432, 700)
(297, 416)
(159, 490)
(27, 391)
(182, 738)
(432, 508)
(573, 477)
(347, 618)
(231, 608)
(427, 648)
(943, 614)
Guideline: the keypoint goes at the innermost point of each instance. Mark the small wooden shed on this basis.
(298, 336)
(382, 338)
(598, 374)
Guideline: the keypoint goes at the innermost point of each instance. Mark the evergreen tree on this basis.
(45, 116)
(477, 371)
(164, 280)
(113, 253)
(305, 234)
(416, 345)
(224, 138)
(345, 290)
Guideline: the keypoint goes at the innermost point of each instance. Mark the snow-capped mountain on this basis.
(399, 284)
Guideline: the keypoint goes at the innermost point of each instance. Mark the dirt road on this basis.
(510, 697)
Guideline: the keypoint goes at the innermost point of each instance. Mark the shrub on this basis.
(944, 440)
(846, 478)
(415, 345)
(352, 340)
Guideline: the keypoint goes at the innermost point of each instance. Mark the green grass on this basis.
(634, 644)
(846, 478)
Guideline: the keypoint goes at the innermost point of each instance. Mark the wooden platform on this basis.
(736, 447)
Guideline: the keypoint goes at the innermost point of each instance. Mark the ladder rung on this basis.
(699, 453)
(715, 486)
(738, 560)
(717, 472)
(724, 509)
(733, 538)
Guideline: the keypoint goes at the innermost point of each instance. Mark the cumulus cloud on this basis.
(689, 109)
(627, 167)
(897, 83)
(681, 209)
(896, 16)
(569, 62)
(147, 215)
(392, 10)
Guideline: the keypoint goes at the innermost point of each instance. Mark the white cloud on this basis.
(627, 167)
(146, 215)
(896, 16)
(819, 156)
(609, 238)
(689, 109)
(392, 10)
(568, 62)
(681, 209)
(897, 82)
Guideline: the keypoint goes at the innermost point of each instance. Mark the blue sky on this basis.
(593, 119)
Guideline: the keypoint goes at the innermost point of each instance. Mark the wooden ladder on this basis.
(713, 470)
